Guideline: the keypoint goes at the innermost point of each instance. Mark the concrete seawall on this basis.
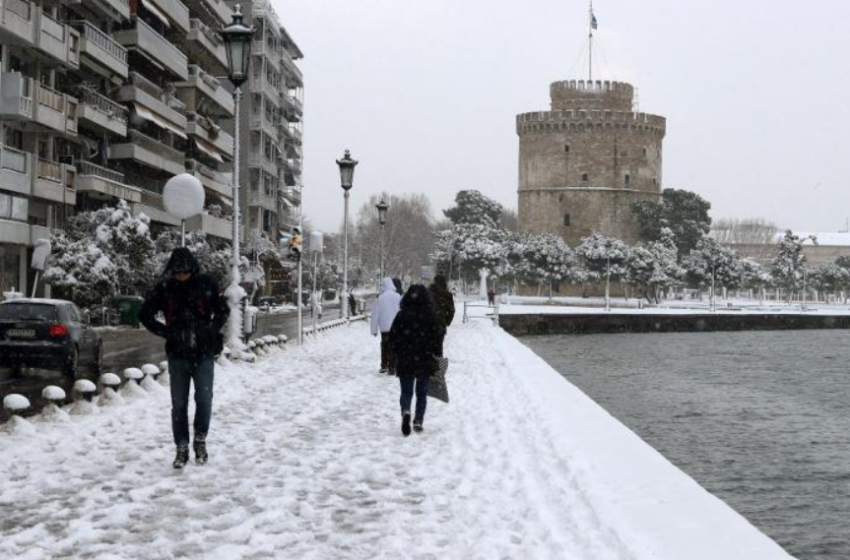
(595, 323)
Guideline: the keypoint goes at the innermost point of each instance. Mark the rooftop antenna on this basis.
(636, 101)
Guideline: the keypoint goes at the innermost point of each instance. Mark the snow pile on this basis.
(307, 461)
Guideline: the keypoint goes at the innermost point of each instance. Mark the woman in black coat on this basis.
(415, 341)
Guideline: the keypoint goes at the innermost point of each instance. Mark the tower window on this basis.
(584, 177)
(628, 179)
(644, 152)
(567, 220)
(567, 148)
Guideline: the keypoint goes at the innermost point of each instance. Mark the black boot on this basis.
(405, 423)
(417, 426)
(182, 457)
(200, 446)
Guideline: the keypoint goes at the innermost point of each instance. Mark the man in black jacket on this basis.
(194, 314)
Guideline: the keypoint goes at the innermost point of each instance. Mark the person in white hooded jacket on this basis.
(383, 315)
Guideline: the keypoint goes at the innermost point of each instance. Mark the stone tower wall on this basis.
(583, 164)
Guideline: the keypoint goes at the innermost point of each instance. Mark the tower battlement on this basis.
(590, 120)
(589, 94)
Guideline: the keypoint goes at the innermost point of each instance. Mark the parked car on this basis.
(47, 333)
(265, 303)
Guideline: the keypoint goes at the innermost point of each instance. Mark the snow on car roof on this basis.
(43, 301)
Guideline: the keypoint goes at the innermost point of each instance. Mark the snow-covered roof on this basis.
(44, 301)
(825, 238)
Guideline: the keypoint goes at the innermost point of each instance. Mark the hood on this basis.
(182, 259)
(398, 288)
(387, 285)
(440, 282)
(417, 296)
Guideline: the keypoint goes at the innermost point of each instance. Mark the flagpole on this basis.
(590, 43)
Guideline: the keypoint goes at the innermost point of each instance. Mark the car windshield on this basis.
(27, 312)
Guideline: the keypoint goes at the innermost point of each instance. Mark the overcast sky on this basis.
(424, 93)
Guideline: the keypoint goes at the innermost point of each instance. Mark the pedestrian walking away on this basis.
(399, 287)
(381, 322)
(444, 305)
(194, 313)
(491, 296)
(352, 304)
(415, 339)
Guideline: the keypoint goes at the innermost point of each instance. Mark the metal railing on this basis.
(88, 168)
(144, 84)
(105, 105)
(209, 33)
(52, 27)
(494, 316)
(102, 40)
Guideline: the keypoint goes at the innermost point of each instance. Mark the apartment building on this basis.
(107, 99)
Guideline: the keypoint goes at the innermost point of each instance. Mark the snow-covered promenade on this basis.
(307, 462)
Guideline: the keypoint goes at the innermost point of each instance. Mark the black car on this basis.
(47, 333)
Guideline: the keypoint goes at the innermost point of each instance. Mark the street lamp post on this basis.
(346, 174)
(382, 207)
(608, 245)
(237, 42)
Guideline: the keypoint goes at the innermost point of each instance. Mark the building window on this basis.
(14, 208)
(628, 179)
(567, 220)
(584, 177)
(644, 152)
(567, 148)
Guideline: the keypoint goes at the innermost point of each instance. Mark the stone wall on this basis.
(583, 164)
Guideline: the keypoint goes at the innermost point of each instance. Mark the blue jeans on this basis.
(408, 382)
(184, 371)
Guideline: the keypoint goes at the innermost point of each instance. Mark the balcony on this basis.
(151, 152)
(102, 113)
(261, 47)
(116, 10)
(152, 206)
(153, 104)
(105, 183)
(204, 44)
(211, 136)
(55, 110)
(292, 106)
(207, 85)
(15, 170)
(101, 52)
(176, 12)
(16, 97)
(263, 200)
(211, 179)
(294, 165)
(55, 182)
(210, 225)
(59, 41)
(256, 159)
(18, 22)
(261, 122)
(260, 84)
(155, 47)
(291, 69)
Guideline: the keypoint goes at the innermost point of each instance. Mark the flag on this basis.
(593, 23)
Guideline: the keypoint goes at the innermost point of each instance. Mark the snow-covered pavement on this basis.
(307, 462)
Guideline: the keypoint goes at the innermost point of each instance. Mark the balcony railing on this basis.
(152, 144)
(155, 46)
(105, 43)
(105, 105)
(20, 8)
(16, 102)
(13, 160)
(49, 170)
(145, 85)
(88, 168)
(51, 98)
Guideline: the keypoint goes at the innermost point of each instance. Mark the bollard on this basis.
(131, 390)
(51, 412)
(151, 370)
(150, 382)
(109, 396)
(16, 404)
(84, 390)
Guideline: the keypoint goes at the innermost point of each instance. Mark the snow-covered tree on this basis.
(83, 270)
(536, 259)
(598, 251)
(654, 267)
(713, 261)
(472, 207)
(830, 278)
(788, 267)
(472, 247)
